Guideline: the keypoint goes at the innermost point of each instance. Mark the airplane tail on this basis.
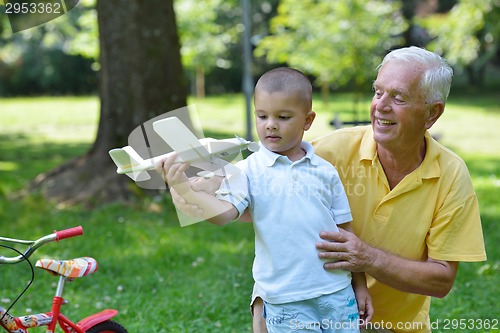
(130, 163)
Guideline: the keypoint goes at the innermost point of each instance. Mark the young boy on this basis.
(292, 195)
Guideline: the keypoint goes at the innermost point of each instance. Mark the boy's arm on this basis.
(363, 298)
(214, 210)
(200, 184)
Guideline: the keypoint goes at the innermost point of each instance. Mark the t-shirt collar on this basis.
(270, 157)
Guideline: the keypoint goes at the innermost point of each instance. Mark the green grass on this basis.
(164, 278)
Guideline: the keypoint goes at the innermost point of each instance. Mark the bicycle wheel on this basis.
(107, 326)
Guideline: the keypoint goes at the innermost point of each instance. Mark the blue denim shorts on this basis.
(337, 312)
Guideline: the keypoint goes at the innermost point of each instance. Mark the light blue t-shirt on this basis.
(290, 203)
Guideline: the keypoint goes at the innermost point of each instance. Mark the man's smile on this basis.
(384, 122)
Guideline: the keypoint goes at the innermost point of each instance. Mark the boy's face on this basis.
(281, 120)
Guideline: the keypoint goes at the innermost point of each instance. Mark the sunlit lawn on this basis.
(469, 125)
(164, 278)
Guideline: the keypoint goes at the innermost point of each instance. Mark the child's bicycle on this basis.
(66, 270)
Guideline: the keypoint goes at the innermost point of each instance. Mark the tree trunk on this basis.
(141, 77)
(200, 82)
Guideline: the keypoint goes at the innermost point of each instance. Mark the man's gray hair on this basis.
(436, 80)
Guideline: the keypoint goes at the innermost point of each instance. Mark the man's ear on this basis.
(309, 120)
(435, 111)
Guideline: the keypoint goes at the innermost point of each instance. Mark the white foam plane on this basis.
(211, 155)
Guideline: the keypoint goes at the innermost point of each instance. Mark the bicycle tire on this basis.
(108, 326)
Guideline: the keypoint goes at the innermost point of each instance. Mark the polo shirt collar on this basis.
(430, 165)
(368, 147)
(270, 157)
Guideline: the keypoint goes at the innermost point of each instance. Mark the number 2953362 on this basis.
(33, 8)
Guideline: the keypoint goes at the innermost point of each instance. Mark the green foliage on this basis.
(52, 58)
(74, 32)
(468, 33)
(84, 33)
(204, 41)
(336, 41)
(161, 277)
(40, 71)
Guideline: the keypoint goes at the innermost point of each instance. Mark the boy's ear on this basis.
(309, 120)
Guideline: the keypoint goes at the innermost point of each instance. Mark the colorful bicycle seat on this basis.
(73, 268)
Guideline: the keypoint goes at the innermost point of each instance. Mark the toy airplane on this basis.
(211, 155)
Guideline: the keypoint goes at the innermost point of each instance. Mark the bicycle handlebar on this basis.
(68, 233)
(34, 245)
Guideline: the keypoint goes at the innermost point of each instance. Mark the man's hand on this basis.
(345, 250)
(426, 277)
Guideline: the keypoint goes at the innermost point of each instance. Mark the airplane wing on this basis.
(181, 139)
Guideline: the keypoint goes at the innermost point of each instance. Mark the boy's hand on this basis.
(174, 174)
(365, 306)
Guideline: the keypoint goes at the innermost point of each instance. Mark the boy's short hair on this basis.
(289, 81)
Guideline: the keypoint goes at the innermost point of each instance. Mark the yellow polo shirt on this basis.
(433, 212)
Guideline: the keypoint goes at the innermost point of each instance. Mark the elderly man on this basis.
(415, 212)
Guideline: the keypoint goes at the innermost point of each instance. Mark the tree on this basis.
(335, 41)
(140, 78)
(468, 35)
(51, 58)
(204, 40)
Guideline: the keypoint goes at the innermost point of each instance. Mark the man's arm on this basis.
(430, 277)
